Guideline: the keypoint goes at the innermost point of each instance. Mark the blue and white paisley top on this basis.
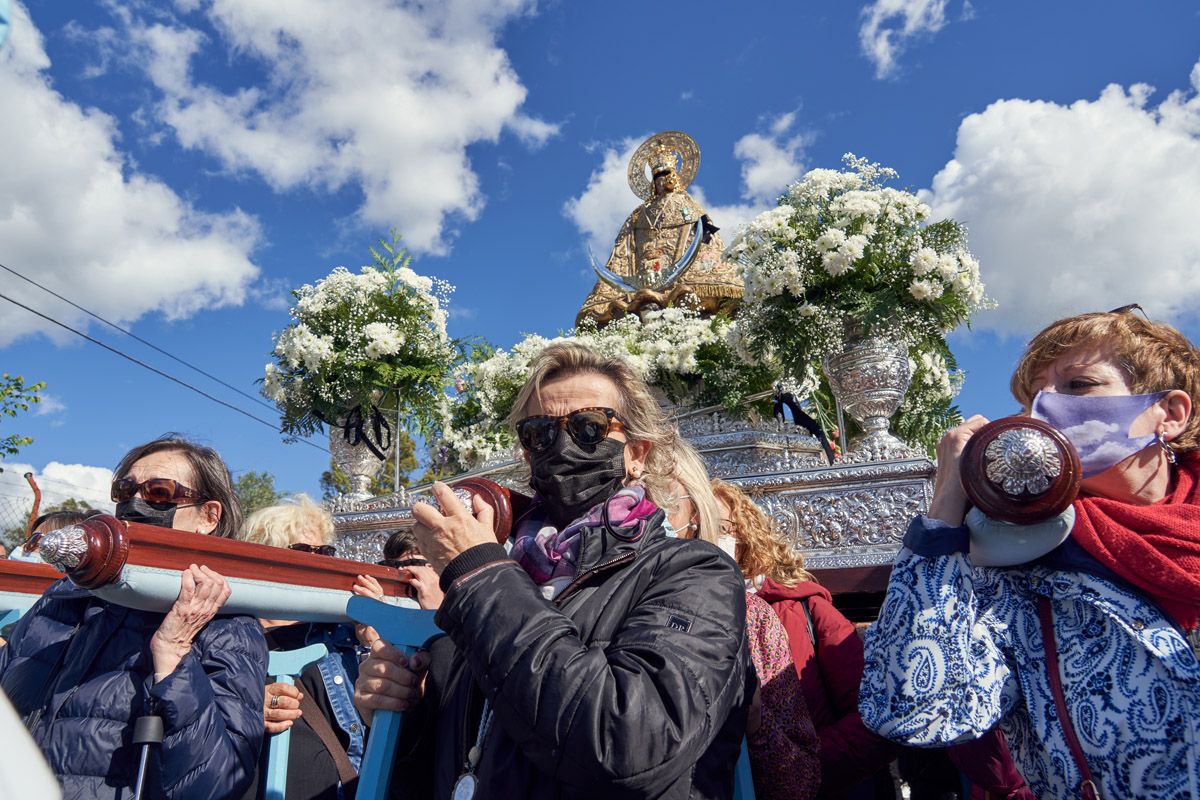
(958, 648)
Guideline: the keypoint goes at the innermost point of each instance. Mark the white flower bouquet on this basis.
(843, 256)
(364, 342)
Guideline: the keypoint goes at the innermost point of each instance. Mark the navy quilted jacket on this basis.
(79, 671)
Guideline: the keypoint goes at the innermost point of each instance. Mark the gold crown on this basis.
(662, 159)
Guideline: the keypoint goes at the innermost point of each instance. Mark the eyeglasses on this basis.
(1129, 309)
(320, 549)
(587, 426)
(727, 527)
(401, 563)
(154, 490)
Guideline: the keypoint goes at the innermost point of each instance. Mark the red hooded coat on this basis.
(830, 674)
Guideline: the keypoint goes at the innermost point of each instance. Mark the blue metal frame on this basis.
(283, 665)
(406, 629)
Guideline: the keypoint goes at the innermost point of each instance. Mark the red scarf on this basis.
(1156, 547)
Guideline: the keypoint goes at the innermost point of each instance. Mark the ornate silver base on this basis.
(850, 514)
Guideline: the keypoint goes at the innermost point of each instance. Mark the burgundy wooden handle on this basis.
(507, 504)
(1020, 470)
(108, 544)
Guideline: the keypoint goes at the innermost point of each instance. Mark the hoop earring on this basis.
(1166, 448)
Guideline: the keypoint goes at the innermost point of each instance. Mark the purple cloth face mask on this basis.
(1098, 425)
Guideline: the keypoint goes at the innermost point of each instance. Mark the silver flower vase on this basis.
(357, 461)
(869, 378)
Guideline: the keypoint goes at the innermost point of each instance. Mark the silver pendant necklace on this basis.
(468, 782)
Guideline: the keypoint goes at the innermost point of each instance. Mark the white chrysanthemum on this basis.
(855, 246)
(382, 339)
(836, 263)
(924, 261)
(831, 239)
(922, 289)
(947, 266)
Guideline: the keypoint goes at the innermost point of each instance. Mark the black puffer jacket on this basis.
(633, 683)
(79, 671)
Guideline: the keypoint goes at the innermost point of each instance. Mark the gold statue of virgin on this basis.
(668, 251)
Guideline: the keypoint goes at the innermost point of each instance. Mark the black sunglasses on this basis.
(154, 490)
(401, 563)
(587, 426)
(1129, 309)
(320, 549)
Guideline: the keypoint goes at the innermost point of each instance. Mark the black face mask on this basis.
(570, 479)
(135, 509)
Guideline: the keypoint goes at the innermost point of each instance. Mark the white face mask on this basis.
(728, 544)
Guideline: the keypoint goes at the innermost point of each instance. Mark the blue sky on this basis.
(180, 167)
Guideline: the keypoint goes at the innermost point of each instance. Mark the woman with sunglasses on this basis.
(1080, 655)
(326, 745)
(81, 671)
(603, 658)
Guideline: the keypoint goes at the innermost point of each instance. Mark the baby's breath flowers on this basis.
(366, 339)
(845, 256)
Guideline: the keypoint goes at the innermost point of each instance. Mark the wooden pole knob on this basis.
(1020, 470)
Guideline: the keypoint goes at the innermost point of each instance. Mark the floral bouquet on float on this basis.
(364, 349)
(845, 259)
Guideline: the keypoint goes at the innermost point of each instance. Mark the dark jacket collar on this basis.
(600, 544)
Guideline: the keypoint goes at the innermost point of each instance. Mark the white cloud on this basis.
(1080, 208)
(58, 482)
(368, 93)
(771, 159)
(78, 217)
(49, 405)
(889, 25)
(1088, 433)
(601, 209)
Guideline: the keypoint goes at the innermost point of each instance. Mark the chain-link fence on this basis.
(14, 517)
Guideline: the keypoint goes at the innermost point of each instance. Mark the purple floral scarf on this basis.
(551, 556)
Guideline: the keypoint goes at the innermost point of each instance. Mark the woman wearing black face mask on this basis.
(602, 658)
(81, 671)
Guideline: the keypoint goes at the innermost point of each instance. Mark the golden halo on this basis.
(687, 159)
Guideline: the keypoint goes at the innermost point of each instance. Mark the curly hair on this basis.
(1154, 356)
(761, 550)
(285, 524)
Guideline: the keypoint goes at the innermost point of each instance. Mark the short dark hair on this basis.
(400, 544)
(61, 519)
(213, 480)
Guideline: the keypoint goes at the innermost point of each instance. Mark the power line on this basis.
(133, 335)
(156, 370)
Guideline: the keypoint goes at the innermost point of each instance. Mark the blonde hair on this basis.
(644, 420)
(285, 524)
(761, 550)
(1154, 356)
(693, 479)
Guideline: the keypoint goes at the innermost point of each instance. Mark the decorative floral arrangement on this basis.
(843, 256)
(363, 343)
(685, 355)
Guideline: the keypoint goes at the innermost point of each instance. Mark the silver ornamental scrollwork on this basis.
(1022, 460)
(64, 548)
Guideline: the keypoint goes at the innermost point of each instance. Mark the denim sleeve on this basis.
(937, 669)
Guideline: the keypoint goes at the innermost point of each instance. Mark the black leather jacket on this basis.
(633, 683)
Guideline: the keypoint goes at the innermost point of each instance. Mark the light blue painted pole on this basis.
(283, 665)
(743, 781)
(406, 629)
